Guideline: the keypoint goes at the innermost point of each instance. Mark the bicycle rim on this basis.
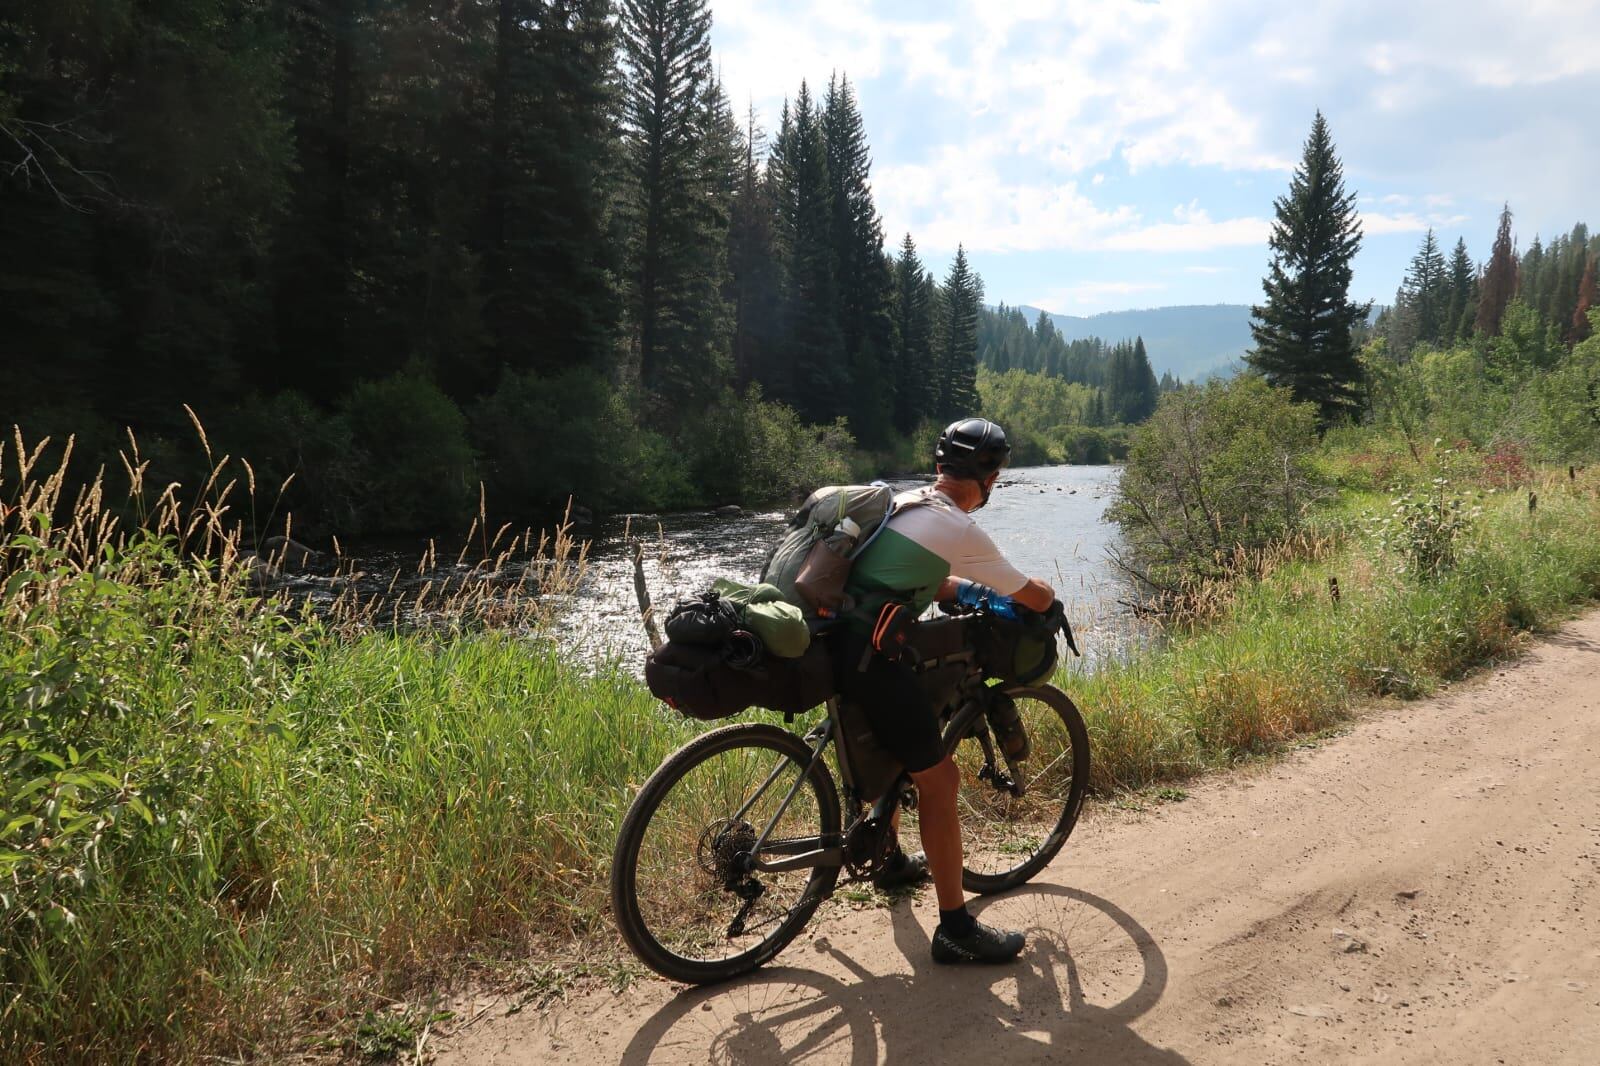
(674, 892)
(1007, 839)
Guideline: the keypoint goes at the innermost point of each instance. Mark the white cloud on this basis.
(1090, 294)
(1376, 223)
(1198, 236)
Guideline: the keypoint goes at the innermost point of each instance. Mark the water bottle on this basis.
(1006, 724)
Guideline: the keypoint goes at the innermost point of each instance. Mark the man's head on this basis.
(971, 450)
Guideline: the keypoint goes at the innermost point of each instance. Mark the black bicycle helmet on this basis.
(971, 448)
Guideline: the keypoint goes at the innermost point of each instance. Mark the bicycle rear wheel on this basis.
(1006, 839)
(678, 897)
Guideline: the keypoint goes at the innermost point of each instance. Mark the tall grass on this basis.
(225, 821)
(1277, 657)
(227, 825)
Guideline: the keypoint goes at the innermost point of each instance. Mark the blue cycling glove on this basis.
(972, 594)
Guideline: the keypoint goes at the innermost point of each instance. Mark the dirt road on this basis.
(1421, 890)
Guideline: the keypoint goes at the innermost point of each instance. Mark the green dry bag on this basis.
(781, 626)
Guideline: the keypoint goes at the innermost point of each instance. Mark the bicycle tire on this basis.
(625, 900)
(1059, 702)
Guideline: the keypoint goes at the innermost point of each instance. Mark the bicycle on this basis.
(736, 839)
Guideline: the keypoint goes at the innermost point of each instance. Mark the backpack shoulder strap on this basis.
(921, 500)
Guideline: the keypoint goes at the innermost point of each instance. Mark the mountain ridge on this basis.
(1190, 341)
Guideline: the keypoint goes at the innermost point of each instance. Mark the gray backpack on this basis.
(834, 526)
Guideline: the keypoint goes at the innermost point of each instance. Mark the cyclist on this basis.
(933, 551)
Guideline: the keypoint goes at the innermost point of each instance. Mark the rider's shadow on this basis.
(1035, 1010)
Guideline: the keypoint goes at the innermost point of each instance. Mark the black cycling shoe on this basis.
(983, 944)
(903, 871)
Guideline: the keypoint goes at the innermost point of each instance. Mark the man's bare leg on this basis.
(940, 822)
(959, 937)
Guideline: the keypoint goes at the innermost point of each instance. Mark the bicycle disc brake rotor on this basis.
(720, 847)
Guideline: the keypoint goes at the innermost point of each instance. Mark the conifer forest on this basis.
(389, 252)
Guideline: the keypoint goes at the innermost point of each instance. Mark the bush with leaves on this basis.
(101, 766)
(548, 438)
(755, 450)
(1216, 471)
(1426, 532)
(417, 472)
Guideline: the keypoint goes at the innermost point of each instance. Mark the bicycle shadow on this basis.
(1089, 970)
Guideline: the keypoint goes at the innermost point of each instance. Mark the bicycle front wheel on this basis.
(681, 898)
(1006, 838)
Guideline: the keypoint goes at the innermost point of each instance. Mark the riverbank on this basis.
(225, 831)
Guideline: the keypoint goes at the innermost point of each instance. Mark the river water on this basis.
(1049, 521)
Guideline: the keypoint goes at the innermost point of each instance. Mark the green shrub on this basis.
(416, 471)
(285, 437)
(1216, 471)
(1425, 531)
(572, 435)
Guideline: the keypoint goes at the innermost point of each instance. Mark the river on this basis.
(1049, 521)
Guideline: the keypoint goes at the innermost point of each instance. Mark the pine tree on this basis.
(1422, 305)
(958, 351)
(1574, 256)
(1463, 295)
(1531, 275)
(548, 247)
(1588, 299)
(754, 279)
(914, 369)
(1499, 282)
(1143, 391)
(1303, 332)
(673, 123)
(799, 166)
(866, 325)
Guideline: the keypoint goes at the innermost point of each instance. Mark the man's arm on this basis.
(1035, 595)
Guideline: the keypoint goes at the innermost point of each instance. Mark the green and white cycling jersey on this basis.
(926, 539)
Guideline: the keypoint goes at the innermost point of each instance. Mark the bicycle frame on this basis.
(806, 852)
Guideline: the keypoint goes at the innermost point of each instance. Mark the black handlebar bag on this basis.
(1020, 650)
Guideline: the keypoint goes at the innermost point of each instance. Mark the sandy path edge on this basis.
(1420, 890)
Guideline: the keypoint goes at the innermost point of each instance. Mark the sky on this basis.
(1114, 154)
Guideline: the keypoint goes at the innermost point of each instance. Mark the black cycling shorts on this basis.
(889, 693)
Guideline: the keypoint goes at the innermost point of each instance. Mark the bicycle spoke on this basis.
(693, 898)
(1004, 833)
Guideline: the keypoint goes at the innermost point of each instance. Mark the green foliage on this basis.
(218, 821)
(1036, 411)
(1217, 471)
(780, 457)
(290, 214)
(290, 442)
(955, 354)
(1279, 661)
(572, 435)
(416, 467)
(1425, 531)
(1519, 389)
(679, 139)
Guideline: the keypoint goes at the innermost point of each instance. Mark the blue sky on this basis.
(1096, 156)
